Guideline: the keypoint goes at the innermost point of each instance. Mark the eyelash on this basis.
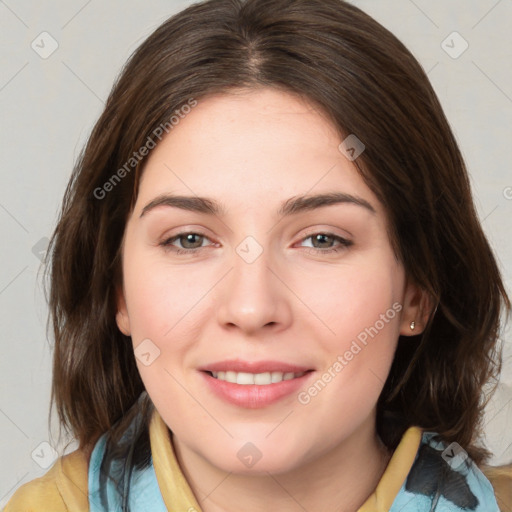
(344, 243)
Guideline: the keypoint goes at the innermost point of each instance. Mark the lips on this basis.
(254, 384)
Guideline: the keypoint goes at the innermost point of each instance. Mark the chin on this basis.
(258, 458)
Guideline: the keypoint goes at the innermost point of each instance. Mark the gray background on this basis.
(48, 107)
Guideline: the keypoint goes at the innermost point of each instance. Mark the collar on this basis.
(176, 492)
(395, 474)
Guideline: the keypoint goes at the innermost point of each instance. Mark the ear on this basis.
(417, 306)
(122, 318)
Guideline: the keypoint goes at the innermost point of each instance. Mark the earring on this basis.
(412, 326)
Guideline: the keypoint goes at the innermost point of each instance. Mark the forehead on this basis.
(249, 147)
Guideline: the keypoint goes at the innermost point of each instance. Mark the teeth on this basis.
(231, 377)
(244, 378)
(260, 379)
(263, 378)
(277, 376)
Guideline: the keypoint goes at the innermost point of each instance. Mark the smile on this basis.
(255, 390)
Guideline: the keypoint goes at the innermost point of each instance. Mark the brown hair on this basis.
(367, 83)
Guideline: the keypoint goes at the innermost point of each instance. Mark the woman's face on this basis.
(265, 336)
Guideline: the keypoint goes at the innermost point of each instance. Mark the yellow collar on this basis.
(174, 487)
(178, 495)
(395, 474)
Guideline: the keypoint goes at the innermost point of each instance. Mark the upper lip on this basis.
(236, 365)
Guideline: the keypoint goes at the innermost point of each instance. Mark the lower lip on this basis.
(254, 396)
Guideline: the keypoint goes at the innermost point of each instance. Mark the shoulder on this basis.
(62, 488)
(501, 480)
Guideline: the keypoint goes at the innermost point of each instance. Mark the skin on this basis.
(251, 151)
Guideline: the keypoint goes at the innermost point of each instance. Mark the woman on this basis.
(269, 285)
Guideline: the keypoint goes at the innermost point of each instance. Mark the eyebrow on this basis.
(291, 206)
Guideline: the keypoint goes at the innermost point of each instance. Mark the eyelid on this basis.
(184, 230)
(328, 230)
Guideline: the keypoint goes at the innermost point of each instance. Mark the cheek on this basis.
(354, 298)
(358, 356)
(360, 308)
(161, 305)
(161, 300)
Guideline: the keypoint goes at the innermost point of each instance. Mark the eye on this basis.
(322, 243)
(190, 242)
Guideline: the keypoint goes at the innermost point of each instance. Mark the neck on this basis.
(340, 480)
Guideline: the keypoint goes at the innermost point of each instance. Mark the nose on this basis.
(254, 298)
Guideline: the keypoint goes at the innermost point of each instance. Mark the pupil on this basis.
(190, 239)
(319, 238)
